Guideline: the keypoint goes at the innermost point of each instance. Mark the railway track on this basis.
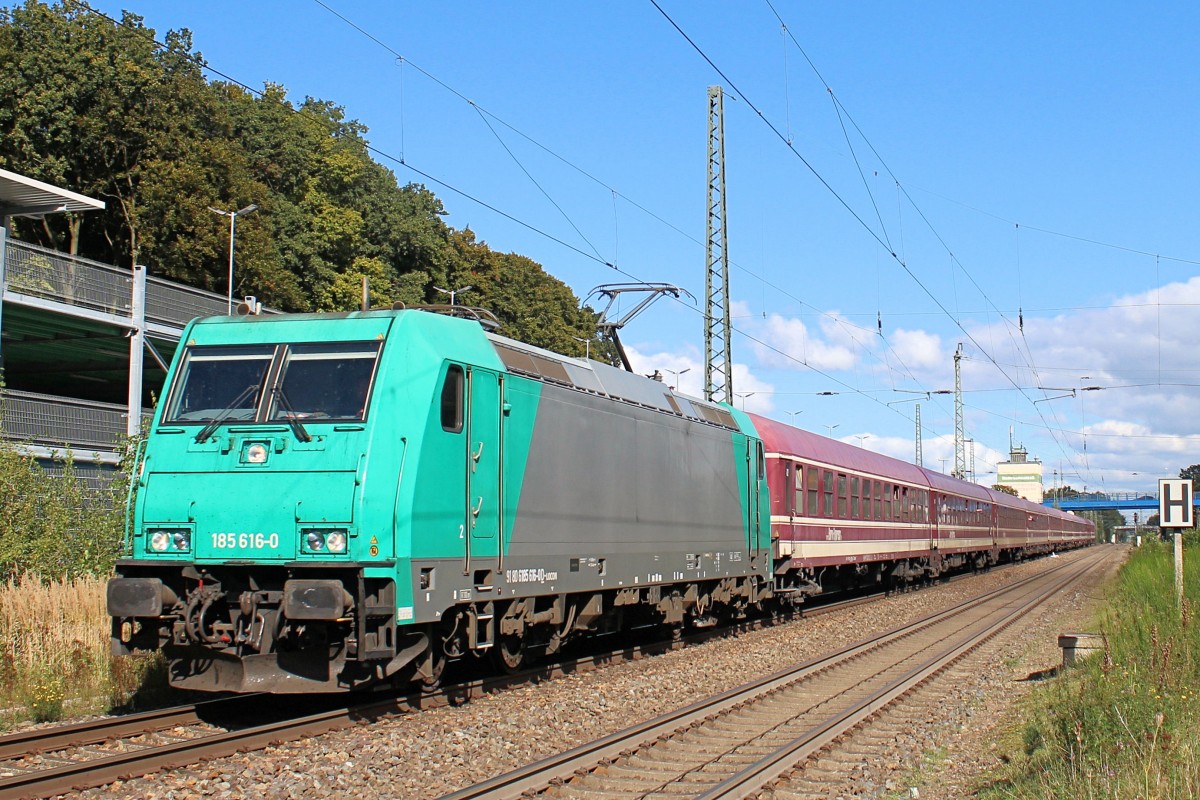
(756, 740)
(48, 761)
(45, 762)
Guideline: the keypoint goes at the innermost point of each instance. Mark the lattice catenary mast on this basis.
(718, 364)
(920, 455)
(960, 459)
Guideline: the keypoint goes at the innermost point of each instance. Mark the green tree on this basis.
(99, 107)
(1000, 487)
(532, 306)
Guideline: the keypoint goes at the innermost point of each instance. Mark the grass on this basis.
(1124, 724)
(56, 660)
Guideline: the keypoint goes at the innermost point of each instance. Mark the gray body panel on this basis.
(617, 495)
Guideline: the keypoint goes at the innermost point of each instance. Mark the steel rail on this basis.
(145, 759)
(564, 766)
(29, 782)
(751, 780)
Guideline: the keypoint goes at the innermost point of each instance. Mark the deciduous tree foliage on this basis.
(100, 108)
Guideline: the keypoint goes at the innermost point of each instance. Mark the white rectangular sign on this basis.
(1175, 502)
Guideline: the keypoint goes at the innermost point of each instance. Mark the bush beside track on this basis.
(1123, 724)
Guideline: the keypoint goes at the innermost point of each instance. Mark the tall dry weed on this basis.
(54, 637)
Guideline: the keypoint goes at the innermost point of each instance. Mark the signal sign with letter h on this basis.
(1175, 501)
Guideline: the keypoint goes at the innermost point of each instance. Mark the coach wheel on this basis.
(509, 653)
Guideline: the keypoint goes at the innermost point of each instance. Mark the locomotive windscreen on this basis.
(325, 381)
(218, 381)
(329, 381)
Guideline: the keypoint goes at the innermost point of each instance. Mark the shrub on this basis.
(55, 525)
(1122, 725)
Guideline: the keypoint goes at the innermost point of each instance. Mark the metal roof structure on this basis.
(25, 197)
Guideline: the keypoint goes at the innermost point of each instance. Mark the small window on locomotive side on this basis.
(452, 400)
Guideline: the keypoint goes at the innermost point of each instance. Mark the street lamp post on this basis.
(454, 292)
(861, 438)
(677, 374)
(793, 414)
(831, 427)
(233, 215)
(744, 395)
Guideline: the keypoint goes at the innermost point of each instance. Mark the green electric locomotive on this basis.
(326, 502)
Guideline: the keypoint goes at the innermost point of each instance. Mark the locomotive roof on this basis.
(599, 378)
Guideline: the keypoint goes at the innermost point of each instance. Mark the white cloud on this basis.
(919, 350)
(751, 392)
(787, 342)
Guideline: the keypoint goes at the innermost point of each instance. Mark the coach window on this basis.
(878, 499)
(452, 400)
(798, 502)
(814, 492)
(904, 510)
(854, 507)
(888, 491)
(827, 490)
(842, 495)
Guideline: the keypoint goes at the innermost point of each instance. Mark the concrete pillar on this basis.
(137, 350)
(3, 285)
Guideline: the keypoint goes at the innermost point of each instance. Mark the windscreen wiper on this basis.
(216, 421)
(297, 426)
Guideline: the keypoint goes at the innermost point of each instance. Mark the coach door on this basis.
(485, 488)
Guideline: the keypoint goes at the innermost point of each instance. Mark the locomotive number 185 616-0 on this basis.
(244, 541)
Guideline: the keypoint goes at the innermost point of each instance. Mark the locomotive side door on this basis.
(755, 496)
(485, 441)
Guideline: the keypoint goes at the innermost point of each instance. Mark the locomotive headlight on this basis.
(255, 453)
(325, 540)
(336, 541)
(169, 540)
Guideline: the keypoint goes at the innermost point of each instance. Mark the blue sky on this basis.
(1028, 156)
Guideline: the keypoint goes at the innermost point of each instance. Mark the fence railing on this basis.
(51, 275)
(61, 422)
(48, 274)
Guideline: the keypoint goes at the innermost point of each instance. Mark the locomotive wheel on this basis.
(437, 665)
(509, 653)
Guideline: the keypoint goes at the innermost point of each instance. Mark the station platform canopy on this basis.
(25, 197)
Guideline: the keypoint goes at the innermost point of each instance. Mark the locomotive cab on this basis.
(254, 561)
